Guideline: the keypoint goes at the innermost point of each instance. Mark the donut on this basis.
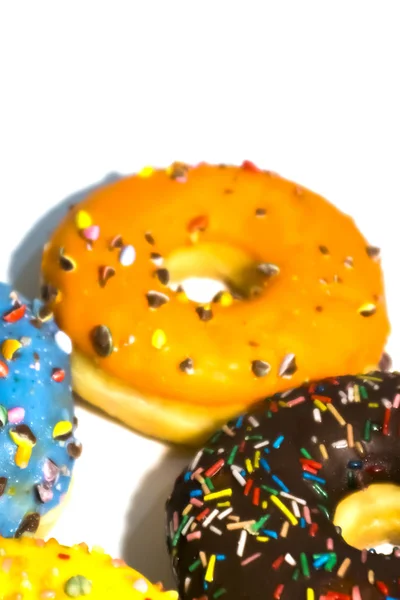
(289, 500)
(37, 441)
(34, 569)
(296, 275)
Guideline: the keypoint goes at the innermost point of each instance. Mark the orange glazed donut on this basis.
(304, 295)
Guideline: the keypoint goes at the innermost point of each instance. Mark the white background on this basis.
(309, 89)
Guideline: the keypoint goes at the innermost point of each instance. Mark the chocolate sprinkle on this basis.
(3, 485)
(205, 314)
(102, 341)
(149, 238)
(156, 258)
(74, 450)
(268, 269)
(385, 364)
(373, 251)
(49, 293)
(288, 366)
(260, 368)
(66, 262)
(116, 242)
(163, 276)
(260, 212)
(368, 311)
(186, 366)
(105, 274)
(323, 249)
(29, 524)
(156, 299)
(25, 432)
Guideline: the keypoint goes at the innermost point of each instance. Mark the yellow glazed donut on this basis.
(304, 295)
(36, 570)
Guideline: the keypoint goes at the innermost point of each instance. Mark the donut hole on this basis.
(370, 518)
(202, 271)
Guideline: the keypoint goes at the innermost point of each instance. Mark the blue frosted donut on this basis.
(37, 444)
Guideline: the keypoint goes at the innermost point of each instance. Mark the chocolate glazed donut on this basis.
(257, 513)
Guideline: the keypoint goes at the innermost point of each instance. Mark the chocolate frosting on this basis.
(251, 517)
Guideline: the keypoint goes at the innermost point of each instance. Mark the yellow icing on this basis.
(34, 570)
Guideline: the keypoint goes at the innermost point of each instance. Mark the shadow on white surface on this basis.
(25, 264)
(144, 545)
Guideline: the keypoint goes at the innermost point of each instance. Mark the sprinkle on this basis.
(215, 530)
(311, 477)
(215, 495)
(260, 212)
(373, 252)
(213, 470)
(317, 415)
(251, 558)
(340, 444)
(209, 576)
(367, 431)
(260, 368)
(9, 348)
(186, 366)
(62, 429)
(63, 342)
(3, 416)
(396, 401)
(386, 420)
(242, 542)
(105, 274)
(205, 314)
(305, 453)
(248, 486)
(15, 314)
(295, 401)
(162, 276)
(232, 455)
(15, 415)
(4, 370)
(3, 485)
(367, 310)
(290, 560)
(239, 525)
(277, 443)
(91, 233)
(146, 172)
(127, 256)
(280, 483)
(288, 366)
(159, 339)
(194, 535)
(156, 299)
(284, 510)
(58, 375)
(336, 414)
(82, 219)
(324, 452)
(225, 513)
(66, 263)
(342, 570)
(261, 444)
(295, 498)
(79, 586)
(304, 565)
(249, 466)
(238, 477)
(310, 594)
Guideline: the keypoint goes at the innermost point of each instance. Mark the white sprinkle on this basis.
(317, 415)
(261, 444)
(225, 513)
(314, 439)
(343, 397)
(25, 341)
(215, 530)
(188, 524)
(210, 517)
(127, 256)
(242, 542)
(228, 431)
(238, 477)
(290, 560)
(339, 444)
(187, 583)
(288, 363)
(63, 342)
(141, 586)
(290, 497)
(253, 422)
(295, 509)
(350, 393)
(386, 403)
(195, 461)
(287, 393)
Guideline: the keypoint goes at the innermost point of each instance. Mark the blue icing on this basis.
(29, 385)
